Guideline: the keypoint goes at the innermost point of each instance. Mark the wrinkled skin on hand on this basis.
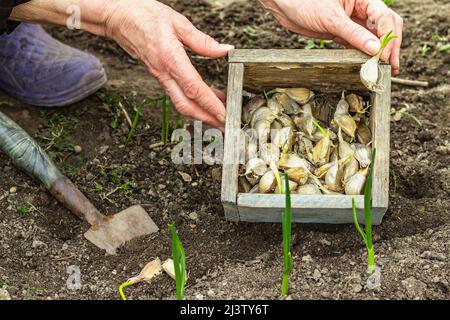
(354, 23)
(157, 35)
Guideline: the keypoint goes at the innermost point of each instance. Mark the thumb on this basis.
(202, 43)
(358, 36)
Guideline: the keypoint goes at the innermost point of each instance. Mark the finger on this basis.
(187, 107)
(356, 35)
(302, 31)
(182, 71)
(200, 42)
(219, 94)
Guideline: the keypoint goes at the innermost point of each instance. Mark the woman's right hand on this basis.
(156, 34)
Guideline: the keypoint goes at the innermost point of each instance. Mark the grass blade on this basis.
(287, 236)
(355, 220)
(134, 124)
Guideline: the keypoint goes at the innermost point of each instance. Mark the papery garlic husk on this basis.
(363, 133)
(248, 146)
(292, 186)
(267, 182)
(363, 154)
(326, 191)
(276, 125)
(322, 170)
(304, 147)
(355, 102)
(285, 120)
(370, 72)
(344, 147)
(292, 160)
(321, 151)
(262, 130)
(355, 184)
(262, 114)
(253, 104)
(333, 177)
(319, 135)
(304, 123)
(290, 107)
(299, 175)
(342, 106)
(243, 185)
(254, 189)
(269, 152)
(151, 270)
(347, 124)
(252, 179)
(275, 106)
(300, 95)
(284, 138)
(309, 189)
(351, 167)
(256, 167)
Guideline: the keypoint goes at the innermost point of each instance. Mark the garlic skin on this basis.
(262, 114)
(321, 151)
(355, 103)
(309, 189)
(299, 95)
(275, 106)
(255, 167)
(285, 120)
(267, 182)
(151, 270)
(284, 138)
(355, 184)
(369, 74)
(269, 152)
(290, 107)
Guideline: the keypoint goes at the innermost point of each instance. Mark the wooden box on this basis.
(333, 70)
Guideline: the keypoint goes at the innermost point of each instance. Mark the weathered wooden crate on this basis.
(256, 70)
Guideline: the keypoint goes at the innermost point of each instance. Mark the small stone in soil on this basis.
(13, 190)
(4, 294)
(77, 149)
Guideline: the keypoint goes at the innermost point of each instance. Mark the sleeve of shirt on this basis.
(6, 7)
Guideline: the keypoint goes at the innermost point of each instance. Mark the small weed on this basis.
(424, 50)
(5, 283)
(71, 170)
(25, 209)
(99, 188)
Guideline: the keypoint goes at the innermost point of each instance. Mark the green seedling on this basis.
(424, 50)
(287, 238)
(397, 115)
(179, 262)
(444, 48)
(99, 187)
(71, 170)
(322, 130)
(5, 283)
(311, 44)
(24, 209)
(367, 234)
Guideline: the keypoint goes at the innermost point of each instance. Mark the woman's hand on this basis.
(354, 23)
(155, 34)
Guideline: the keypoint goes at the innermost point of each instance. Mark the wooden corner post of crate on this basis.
(256, 70)
(231, 141)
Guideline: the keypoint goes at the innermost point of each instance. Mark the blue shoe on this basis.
(41, 71)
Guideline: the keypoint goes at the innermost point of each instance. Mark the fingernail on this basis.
(227, 47)
(221, 118)
(372, 46)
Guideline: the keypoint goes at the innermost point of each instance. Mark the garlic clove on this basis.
(342, 106)
(275, 106)
(253, 104)
(290, 107)
(298, 175)
(299, 95)
(355, 103)
(321, 151)
(363, 154)
(269, 152)
(267, 182)
(284, 138)
(369, 73)
(355, 184)
(309, 189)
(350, 168)
(347, 124)
(363, 133)
(151, 270)
(256, 167)
(333, 177)
(292, 160)
(344, 147)
(262, 114)
(286, 120)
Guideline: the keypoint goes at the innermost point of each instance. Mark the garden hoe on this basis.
(106, 232)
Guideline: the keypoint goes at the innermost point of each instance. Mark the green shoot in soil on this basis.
(385, 40)
(179, 262)
(24, 209)
(389, 2)
(367, 234)
(287, 229)
(123, 286)
(424, 50)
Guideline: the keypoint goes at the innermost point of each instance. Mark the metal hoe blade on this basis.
(120, 228)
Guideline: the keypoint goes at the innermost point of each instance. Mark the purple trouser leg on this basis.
(41, 71)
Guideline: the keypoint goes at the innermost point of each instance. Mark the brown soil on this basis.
(224, 259)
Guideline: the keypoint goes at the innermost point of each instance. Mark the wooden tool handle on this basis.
(68, 194)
